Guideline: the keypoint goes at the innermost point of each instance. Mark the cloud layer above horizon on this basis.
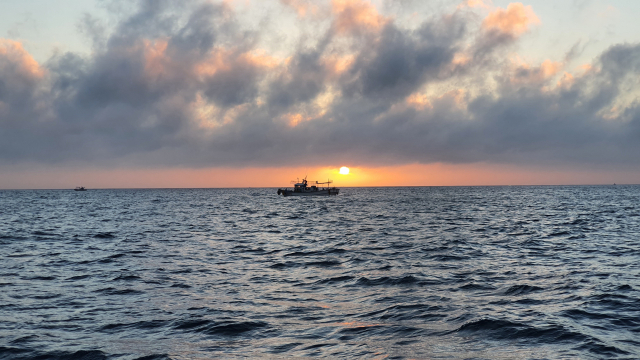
(190, 84)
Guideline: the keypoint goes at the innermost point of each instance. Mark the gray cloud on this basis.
(303, 79)
(399, 62)
(185, 85)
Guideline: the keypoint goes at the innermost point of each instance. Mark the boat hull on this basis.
(328, 192)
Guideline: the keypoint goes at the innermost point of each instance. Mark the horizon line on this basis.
(345, 187)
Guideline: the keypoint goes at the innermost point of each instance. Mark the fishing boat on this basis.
(80, 188)
(302, 188)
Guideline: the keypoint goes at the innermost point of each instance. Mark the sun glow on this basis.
(344, 170)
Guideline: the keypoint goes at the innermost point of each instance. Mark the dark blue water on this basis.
(460, 272)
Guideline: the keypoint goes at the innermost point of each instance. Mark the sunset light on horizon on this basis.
(118, 94)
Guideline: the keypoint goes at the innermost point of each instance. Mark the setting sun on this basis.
(344, 170)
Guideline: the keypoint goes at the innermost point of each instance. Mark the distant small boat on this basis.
(80, 188)
(302, 189)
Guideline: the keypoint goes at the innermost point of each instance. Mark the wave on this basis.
(288, 264)
(616, 302)
(105, 235)
(126, 277)
(551, 334)
(114, 291)
(12, 238)
(449, 258)
(222, 328)
(17, 353)
(111, 258)
(78, 277)
(44, 278)
(476, 286)
(155, 357)
(279, 349)
(315, 253)
(24, 339)
(385, 280)
(504, 329)
(334, 280)
(181, 286)
(517, 290)
(325, 263)
(44, 233)
(140, 325)
(408, 312)
(13, 353)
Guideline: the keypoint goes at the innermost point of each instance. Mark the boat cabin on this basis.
(301, 188)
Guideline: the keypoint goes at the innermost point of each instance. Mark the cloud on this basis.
(234, 80)
(398, 63)
(302, 7)
(485, 4)
(513, 21)
(500, 28)
(21, 101)
(189, 85)
(20, 72)
(355, 16)
(525, 74)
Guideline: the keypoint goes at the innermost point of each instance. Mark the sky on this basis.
(237, 93)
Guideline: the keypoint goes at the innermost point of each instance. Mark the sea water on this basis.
(410, 272)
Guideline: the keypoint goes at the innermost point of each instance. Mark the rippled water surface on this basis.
(454, 272)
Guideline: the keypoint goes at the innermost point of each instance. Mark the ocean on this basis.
(514, 272)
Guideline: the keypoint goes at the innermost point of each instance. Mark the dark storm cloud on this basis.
(183, 84)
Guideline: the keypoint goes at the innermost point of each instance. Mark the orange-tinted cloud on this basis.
(312, 111)
(337, 65)
(566, 81)
(513, 21)
(454, 99)
(460, 59)
(355, 16)
(302, 7)
(24, 63)
(155, 56)
(486, 4)
(261, 59)
(549, 68)
(224, 59)
(419, 101)
(218, 60)
(586, 68)
(294, 120)
(525, 74)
